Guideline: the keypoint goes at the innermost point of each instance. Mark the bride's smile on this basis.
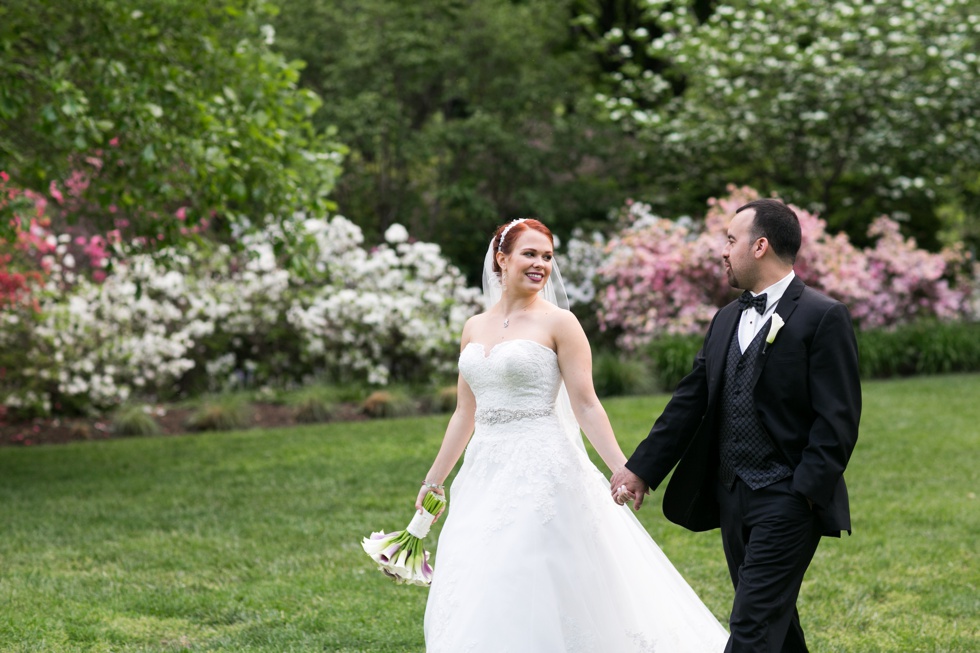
(532, 258)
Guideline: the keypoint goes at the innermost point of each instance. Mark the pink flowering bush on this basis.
(908, 283)
(45, 241)
(55, 236)
(664, 277)
(660, 277)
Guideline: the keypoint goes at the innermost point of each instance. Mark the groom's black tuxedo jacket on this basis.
(807, 393)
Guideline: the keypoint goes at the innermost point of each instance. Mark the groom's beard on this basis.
(732, 278)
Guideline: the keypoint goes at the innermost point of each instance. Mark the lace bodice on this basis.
(515, 379)
(518, 435)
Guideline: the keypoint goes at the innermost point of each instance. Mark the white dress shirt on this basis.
(751, 322)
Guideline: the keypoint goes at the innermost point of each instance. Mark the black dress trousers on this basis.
(770, 535)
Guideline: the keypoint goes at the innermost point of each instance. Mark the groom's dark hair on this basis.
(778, 224)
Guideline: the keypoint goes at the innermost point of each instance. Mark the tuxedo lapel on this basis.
(787, 304)
(717, 347)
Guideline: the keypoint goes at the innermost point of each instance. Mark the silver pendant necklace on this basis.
(507, 319)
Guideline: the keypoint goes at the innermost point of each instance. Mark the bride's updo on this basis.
(508, 233)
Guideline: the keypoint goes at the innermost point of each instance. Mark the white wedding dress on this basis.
(535, 557)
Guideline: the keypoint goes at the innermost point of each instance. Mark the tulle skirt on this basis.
(535, 557)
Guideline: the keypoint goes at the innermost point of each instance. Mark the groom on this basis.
(761, 429)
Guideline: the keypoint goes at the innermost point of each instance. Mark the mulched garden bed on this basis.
(59, 430)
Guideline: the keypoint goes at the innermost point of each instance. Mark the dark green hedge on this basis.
(672, 357)
(921, 348)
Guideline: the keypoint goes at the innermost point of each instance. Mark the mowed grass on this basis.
(251, 541)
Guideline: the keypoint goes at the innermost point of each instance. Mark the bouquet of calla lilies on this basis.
(400, 554)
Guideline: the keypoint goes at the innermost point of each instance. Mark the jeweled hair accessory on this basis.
(500, 243)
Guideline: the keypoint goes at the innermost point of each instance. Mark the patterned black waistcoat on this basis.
(745, 450)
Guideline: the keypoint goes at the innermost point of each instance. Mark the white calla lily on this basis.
(775, 324)
(400, 554)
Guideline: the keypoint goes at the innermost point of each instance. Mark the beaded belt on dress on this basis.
(491, 416)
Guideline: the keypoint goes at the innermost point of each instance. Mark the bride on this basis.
(534, 556)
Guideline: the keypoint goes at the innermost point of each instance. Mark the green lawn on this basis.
(250, 541)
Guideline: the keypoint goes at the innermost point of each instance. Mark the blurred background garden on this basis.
(289, 202)
(223, 214)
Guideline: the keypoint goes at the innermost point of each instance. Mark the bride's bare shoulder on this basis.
(473, 325)
(562, 326)
(560, 318)
(477, 321)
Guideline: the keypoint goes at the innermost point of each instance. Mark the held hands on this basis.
(435, 489)
(626, 486)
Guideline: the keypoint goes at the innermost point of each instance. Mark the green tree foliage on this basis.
(164, 106)
(853, 107)
(458, 115)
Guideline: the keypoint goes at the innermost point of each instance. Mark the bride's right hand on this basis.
(424, 491)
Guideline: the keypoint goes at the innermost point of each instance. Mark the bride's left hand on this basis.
(626, 486)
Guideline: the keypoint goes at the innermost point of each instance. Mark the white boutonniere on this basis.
(775, 325)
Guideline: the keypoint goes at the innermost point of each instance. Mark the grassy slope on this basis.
(250, 541)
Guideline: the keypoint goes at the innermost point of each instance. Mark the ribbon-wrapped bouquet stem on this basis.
(400, 554)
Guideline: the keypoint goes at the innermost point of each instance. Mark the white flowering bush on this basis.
(827, 100)
(208, 319)
(584, 255)
(389, 311)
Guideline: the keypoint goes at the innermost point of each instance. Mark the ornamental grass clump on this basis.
(312, 407)
(134, 419)
(388, 403)
(222, 415)
(443, 400)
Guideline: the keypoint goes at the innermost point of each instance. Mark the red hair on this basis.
(513, 231)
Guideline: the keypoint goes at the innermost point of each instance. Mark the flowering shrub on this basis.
(15, 287)
(17, 274)
(214, 318)
(663, 277)
(390, 311)
(40, 248)
(584, 255)
(828, 101)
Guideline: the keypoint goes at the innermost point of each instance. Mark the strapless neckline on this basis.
(488, 353)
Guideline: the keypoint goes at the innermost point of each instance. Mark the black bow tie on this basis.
(758, 302)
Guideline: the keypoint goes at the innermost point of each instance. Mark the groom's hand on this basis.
(636, 487)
